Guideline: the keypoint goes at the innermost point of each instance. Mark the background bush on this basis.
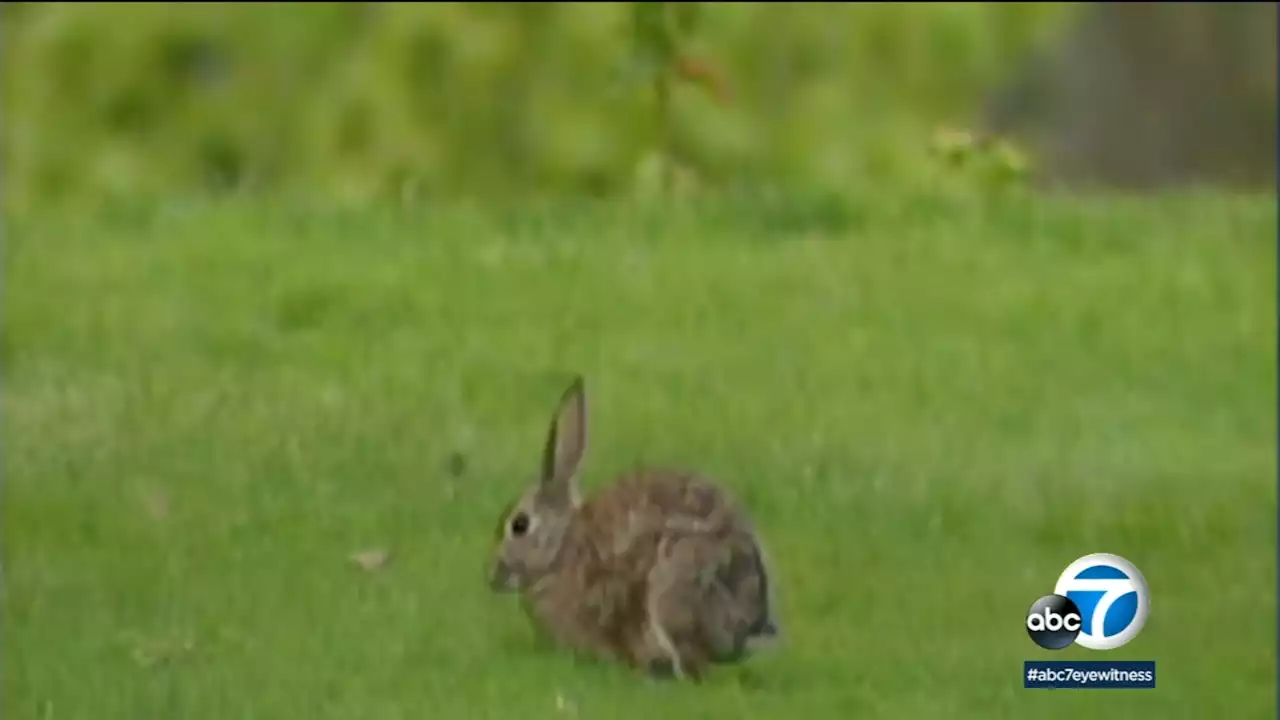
(358, 100)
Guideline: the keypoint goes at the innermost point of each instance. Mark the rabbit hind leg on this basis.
(674, 607)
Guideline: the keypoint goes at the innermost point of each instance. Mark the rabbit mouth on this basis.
(502, 580)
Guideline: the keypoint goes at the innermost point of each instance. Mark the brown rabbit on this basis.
(661, 571)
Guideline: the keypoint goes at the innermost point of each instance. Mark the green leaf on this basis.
(650, 33)
(688, 17)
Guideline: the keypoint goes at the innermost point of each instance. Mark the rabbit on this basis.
(662, 571)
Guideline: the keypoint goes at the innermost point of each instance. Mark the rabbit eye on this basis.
(519, 524)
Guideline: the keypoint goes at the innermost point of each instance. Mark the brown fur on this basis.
(659, 571)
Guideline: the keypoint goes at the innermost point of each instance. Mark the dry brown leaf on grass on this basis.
(707, 75)
(371, 560)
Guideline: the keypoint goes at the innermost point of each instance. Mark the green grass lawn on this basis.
(931, 407)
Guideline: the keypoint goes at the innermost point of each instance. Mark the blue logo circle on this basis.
(1112, 597)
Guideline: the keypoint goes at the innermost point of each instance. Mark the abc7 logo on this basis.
(1114, 605)
(1054, 622)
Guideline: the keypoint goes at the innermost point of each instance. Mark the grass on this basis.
(932, 407)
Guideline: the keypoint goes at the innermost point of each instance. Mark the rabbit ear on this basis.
(566, 443)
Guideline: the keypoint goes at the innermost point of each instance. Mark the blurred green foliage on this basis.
(360, 100)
